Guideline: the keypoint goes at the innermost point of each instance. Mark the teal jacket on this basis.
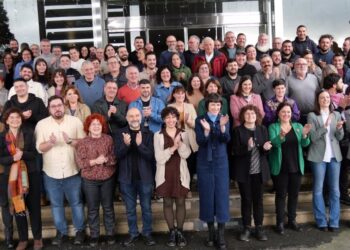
(275, 156)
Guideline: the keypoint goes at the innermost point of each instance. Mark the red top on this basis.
(128, 94)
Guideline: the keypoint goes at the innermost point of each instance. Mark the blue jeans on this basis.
(70, 188)
(129, 193)
(330, 171)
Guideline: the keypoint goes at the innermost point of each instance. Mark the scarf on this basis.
(18, 179)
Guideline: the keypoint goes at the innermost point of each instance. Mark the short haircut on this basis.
(98, 117)
(160, 70)
(301, 26)
(338, 54)
(20, 79)
(286, 41)
(65, 55)
(169, 111)
(150, 53)
(325, 36)
(213, 97)
(200, 63)
(139, 38)
(52, 98)
(74, 48)
(145, 81)
(29, 50)
(212, 81)
(253, 108)
(27, 66)
(278, 82)
(330, 80)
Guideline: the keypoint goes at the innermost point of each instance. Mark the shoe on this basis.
(180, 239)
(294, 226)
(280, 228)
(22, 245)
(110, 239)
(130, 241)
(93, 242)
(333, 229)
(59, 239)
(38, 244)
(148, 240)
(345, 200)
(260, 233)
(323, 229)
(245, 234)
(211, 235)
(172, 238)
(10, 244)
(79, 238)
(221, 243)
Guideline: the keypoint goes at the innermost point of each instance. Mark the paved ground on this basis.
(310, 238)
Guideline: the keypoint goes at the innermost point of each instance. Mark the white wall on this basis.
(23, 20)
(320, 16)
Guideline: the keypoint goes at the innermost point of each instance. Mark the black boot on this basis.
(221, 243)
(211, 237)
(9, 238)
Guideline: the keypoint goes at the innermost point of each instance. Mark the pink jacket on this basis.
(238, 102)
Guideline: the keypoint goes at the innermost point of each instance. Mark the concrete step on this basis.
(304, 214)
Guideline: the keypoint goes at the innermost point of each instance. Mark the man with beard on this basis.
(14, 47)
(229, 82)
(343, 70)
(33, 108)
(45, 47)
(281, 70)
(72, 74)
(165, 56)
(136, 167)
(90, 86)
(35, 88)
(111, 107)
(262, 47)
(139, 43)
(123, 56)
(244, 68)
(180, 46)
(56, 137)
(302, 88)
(150, 70)
(149, 106)
(302, 42)
(288, 56)
(229, 49)
(325, 54)
(333, 83)
(193, 50)
(35, 50)
(263, 79)
(241, 41)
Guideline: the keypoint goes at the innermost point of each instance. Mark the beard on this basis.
(58, 115)
(262, 48)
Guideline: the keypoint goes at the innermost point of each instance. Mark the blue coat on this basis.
(155, 121)
(213, 172)
(92, 93)
(163, 93)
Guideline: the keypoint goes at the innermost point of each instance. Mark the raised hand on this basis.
(205, 125)
(340, 124)
(267, 145)
(127, 139)
(251, 142)
(306, 129)
(223, 120)
(53, 139)
(138, 138)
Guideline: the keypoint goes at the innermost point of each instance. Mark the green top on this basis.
(187, 74)
(202, 110)
(275, 156)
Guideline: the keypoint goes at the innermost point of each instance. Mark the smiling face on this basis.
(176, 61)
(212, 88)
(196, 83)
(324, 100)
(338, 62)
(170, 121)
(285, 114)
(14, 120)
(280, 90)
(26, 73)
(21, 88)
(59, 79)
(250, 116)
(110, 90)
(165, 75)
(214, 108)
(133, 116)
(41, 68)
(72, 96)
(179, 96)
(145, 90)
(203, 71)
(56, 109)
(247, 87)
(95, 128)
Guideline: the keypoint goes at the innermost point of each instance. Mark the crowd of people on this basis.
(77, 126)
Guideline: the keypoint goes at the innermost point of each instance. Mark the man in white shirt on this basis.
(56, 137)
(35, 88)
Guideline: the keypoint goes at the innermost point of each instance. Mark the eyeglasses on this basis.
(56, 106)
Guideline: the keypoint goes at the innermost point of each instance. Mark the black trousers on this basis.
(252, 197)
(344, 169)
(286, 183)
(7, 218)
(100, 193)
(32, 201)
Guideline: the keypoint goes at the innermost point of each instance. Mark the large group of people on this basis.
(77, 126)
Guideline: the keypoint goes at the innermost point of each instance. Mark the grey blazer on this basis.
(318, 135)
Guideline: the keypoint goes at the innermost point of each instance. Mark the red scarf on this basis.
(18, 179)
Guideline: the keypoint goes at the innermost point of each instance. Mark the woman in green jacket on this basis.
(287, 163)
(180, 71)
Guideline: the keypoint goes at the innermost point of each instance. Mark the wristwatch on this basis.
(70, 140)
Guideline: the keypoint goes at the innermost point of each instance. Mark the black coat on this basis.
(35, 104)
(29, 151)
(242, 156)
(146, 162)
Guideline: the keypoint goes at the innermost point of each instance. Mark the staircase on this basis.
(304, 213)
